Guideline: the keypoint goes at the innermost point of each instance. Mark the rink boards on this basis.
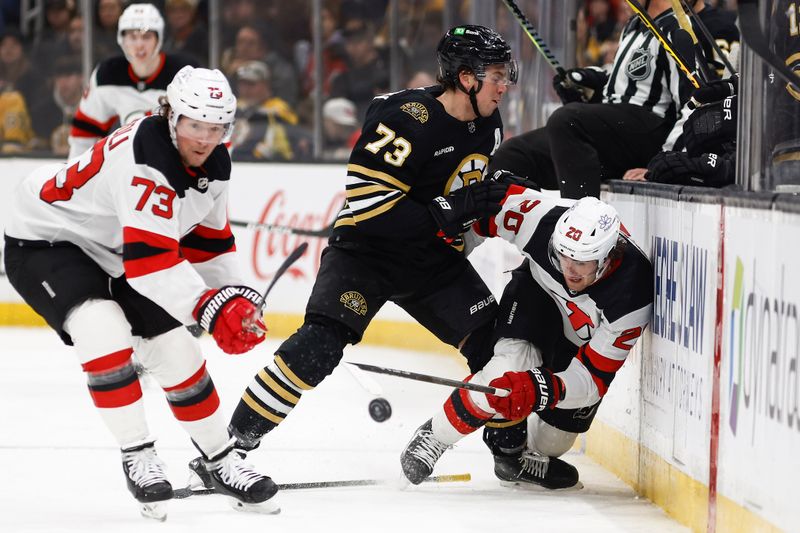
(712, 444)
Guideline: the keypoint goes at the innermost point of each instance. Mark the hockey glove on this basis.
(509, 178)
(709, 170)
(711, 128)
(455, 212)
(714, 91)
(533, 390)
(224, 313)
(581, 85)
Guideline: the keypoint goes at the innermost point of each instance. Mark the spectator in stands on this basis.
(333, 54)
(186, 32)
(18, 73)
(601, 26)
(252, 45)
(341, 128)
(15, 123)
(74, 45)
(57, 14)
(367, 74)
(106, 16)
(420, 79)
(55, 118)
(264, 122)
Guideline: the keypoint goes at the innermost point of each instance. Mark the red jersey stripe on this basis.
(601, 362)
(133, 235)
(118, 397)
(197, 376)
(198, 411)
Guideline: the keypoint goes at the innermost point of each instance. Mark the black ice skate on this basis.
(228, 473)
(421, 454)
(147, 479)
(533, 469)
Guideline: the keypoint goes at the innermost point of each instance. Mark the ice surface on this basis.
(60, 469)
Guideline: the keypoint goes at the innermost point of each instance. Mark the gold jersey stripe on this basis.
(504, 424)
(377, 211)
(367, 189)
(255, 406)
(383, 176)
(291, 375)
(278, 388)
(345, 222)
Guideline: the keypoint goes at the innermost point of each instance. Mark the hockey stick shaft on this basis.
(186, 492)
(433, 379)
(686, 25)
(277, 228)
(753, 35)
(250, 322)
(648, 22)
(707, 34)
(535, 38)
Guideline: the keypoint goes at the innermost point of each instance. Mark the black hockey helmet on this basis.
(472, 47)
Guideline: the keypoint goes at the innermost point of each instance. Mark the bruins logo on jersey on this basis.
(355, 302)
(470, 170)
(416, 110)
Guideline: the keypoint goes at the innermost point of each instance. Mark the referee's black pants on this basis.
(584, 144)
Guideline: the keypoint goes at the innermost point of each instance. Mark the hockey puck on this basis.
(380, 410)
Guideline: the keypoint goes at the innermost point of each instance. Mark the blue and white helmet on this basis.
(587, 231)
(201, 94)
(140, 17)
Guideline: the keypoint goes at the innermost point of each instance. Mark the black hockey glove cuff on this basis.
(710, 128)
(708, 170)
(714, 91)
(581, 85)
(455, 212)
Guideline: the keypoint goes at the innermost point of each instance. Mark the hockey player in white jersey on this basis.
(126, 87)
(567, 320)
(119, 249)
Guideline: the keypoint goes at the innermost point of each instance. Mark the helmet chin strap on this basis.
(472, 96)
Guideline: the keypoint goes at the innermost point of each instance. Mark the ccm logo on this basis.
(480, 305)
(442, 201)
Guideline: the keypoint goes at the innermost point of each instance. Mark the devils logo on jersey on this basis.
(581, 323)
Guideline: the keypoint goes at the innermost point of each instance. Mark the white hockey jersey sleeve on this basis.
(93, 119)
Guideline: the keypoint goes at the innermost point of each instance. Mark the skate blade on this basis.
(267, 507)
(154, 510)
(522, 485)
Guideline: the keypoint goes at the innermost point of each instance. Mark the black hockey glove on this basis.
(709, 170)
(711, 128)
(509, 178)
(455, 212)
(581, 85)
(714, 91)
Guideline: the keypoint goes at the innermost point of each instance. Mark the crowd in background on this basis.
(266, 52)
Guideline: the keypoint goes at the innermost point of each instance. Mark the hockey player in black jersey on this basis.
(126, 87)
(568, 318)
(415, 183)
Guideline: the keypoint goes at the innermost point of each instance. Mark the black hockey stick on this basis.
(186, 492)
(707, 34)
(290, 259)
(432, 379)
(277, 228)
(753, 35)
(535, 38)
(697, 49)
(648, 22)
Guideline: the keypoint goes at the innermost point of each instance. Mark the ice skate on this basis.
(530, 469)
(147, 480)
(230, 475)
(421, 454)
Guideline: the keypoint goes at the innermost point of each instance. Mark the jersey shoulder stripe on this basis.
(116, 71)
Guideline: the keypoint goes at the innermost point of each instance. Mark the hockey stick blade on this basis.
(753, 35)
(433, 379)
(187, 492)
(250, 322)
(277, 228)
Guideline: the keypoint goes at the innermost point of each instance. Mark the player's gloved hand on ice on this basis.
(227, 314)
(711, 128)
(709, 170)
(509, 178)
(581, 85)
(714, 91)
(532, 390)
(455, 212)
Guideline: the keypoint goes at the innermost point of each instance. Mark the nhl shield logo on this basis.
(639, 67)
(354, 302)
(202, 183)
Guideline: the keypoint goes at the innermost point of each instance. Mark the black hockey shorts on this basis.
(528, 312)
(450, 302)
(54, 278)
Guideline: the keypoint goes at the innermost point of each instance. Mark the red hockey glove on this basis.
(225, 312)
(534, 390)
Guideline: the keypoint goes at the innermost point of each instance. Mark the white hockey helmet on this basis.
(141, 17)
(201, 94)
(587, 231)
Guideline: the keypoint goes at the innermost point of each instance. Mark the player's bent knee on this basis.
(98, 328)
(315, 349)
(172, 357)
(548, 440)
